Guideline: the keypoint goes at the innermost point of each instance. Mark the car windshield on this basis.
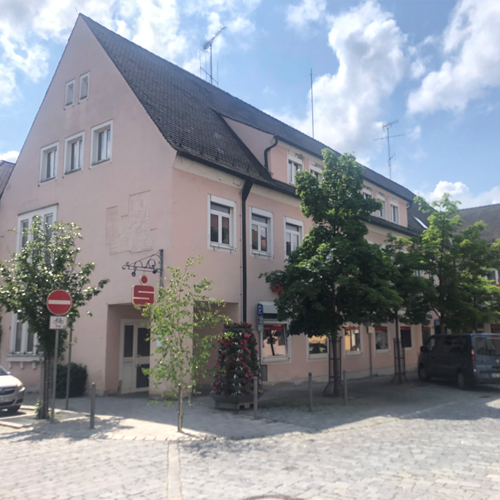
(486, 346)
(2, 371)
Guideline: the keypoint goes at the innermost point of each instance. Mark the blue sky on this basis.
(434, 65)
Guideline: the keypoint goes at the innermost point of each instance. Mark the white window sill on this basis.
(66, 106)
(353, 353)
(262, 255)
(382, 351)
(100, 162)
(44, 181)
(317, 357)
(72, 171)
(83, 99)
(22, 358)
(225, 248)
(276, 359)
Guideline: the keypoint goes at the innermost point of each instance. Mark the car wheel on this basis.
(463, 381)
(13, 410)
(422, 374)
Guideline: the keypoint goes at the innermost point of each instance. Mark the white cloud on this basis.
(348, 105)
(298, 16)
(461, 192)
(415, 133)
(417, 68)
(472, 60)
(9, 156)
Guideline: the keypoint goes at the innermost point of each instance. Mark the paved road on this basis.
(447, 450)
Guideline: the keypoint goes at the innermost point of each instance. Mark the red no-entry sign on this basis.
(59, 302)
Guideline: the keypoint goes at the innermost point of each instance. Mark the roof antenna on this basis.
(312, 103)
(388, 137)
(205, 47)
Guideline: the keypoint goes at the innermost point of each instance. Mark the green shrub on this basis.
(77, 382)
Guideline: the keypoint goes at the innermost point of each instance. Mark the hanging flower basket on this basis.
(237, 365)
(277, 289)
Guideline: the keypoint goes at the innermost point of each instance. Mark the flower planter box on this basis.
(235, 403)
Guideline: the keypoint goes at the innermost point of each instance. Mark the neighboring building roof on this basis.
(6, 168)
(489, 214)
(189, 113)
(417, 220)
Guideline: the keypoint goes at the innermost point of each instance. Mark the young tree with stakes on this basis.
(46, 262)
(458, 263)
(335, 276)
(175, 319)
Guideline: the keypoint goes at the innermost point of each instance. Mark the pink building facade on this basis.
(144, 157)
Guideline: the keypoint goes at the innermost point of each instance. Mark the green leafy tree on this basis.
(457, 263)
(48, 261)
(175, 319)
(335, 276)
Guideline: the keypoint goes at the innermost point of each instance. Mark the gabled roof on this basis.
(489, 214)
(6, 168)
(189, 113)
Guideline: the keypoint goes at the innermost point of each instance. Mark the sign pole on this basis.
(68, 372)
(54, 376)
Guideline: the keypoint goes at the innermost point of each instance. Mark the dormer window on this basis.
(69, 99)
(367, 193)
(381, 210)
(394, 213)
(316, 170)
(294, 166)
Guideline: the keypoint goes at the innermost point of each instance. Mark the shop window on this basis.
(381, 338)
(352, 339)
(275, 342)
(318, 346)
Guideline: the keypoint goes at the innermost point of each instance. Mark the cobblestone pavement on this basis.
(418, 442)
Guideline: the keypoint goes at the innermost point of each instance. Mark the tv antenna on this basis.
(312, 104)
(206, 47)
(388, 137)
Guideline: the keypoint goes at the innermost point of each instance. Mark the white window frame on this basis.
(382, 351)
(316, 356)
(294, 222)
(316, 170)
(269, 216)
(394, 215)
(94, 143)
(496, 276)
(405, 327)
(23, 354)
(87, 76)
(291, 173)
(67, 152)
(68, 104)
(43, 161)
(382, 212)
(232, 224)
(367, 192)
(361, 344)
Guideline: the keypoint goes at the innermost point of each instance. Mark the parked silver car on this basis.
(11, 392)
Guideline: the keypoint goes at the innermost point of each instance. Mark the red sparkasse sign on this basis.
(143, 294)
(59, 302)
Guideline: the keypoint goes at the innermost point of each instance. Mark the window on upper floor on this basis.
(74, 153)
(293, 235)
(316, 170)
(495, 277)
(261, 232)
(381, 210)
(102, 137)
(48, 162)
(367, 193)
(294, 166)
(221, 223)
(84, 86)
(394, 213)
(69, 97)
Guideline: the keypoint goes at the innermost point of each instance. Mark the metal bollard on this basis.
(255, 396)
(345, 388)
(92, 405)
(310, 392)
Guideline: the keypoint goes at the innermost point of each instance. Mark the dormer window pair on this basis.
(69, 98)
(296, 164)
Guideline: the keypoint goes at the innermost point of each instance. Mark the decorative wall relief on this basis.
(131, 232)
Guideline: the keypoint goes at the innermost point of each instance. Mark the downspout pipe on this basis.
(244, 195)
(266, 161)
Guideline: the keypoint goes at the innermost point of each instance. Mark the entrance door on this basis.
(135, 356)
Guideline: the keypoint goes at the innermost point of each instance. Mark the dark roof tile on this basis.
(489, 214)
(6, 168)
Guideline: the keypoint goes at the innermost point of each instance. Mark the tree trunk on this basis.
(46, 380)
(333, 388)
(179, 413)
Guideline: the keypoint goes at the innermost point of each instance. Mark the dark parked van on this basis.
(467, 358)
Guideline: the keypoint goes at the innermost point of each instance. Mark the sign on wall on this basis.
(143, 294)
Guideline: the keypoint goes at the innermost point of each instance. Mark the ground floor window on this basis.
(318, 346)
(406, 340)
(352, 339)
(275, 342)
(495, 328)
(22, 342)
(381, 338)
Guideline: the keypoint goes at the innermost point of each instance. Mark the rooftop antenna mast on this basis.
(208, 45)
(388, 137)
(312, 104)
